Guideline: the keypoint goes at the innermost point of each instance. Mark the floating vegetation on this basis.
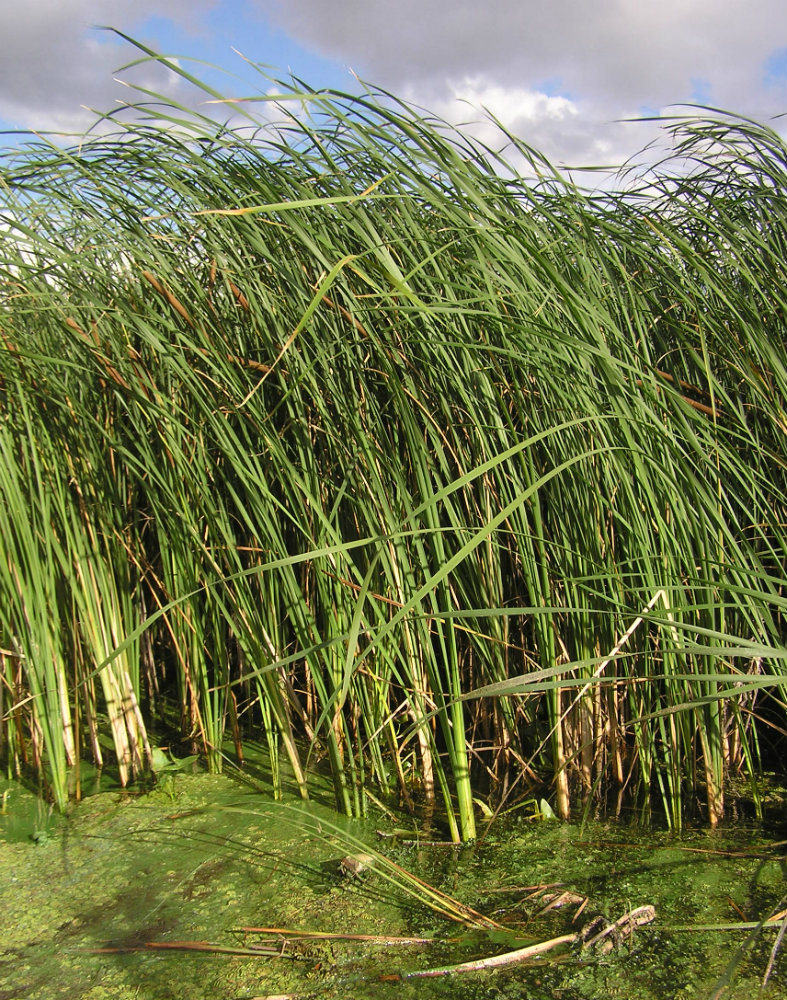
(338, 432)
(213, 890)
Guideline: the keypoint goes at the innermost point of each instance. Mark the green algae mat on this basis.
(153, 897)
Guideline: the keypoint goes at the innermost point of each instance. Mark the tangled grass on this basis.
(344, 433)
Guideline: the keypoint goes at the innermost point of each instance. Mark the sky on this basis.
(560, 74)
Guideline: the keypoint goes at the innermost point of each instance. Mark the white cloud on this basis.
(609, 59)
(558, 73)
(53, 62)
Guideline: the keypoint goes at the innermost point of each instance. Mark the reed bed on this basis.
(345, 434)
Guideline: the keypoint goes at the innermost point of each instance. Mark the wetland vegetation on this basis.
(416, 462)
(183, 879)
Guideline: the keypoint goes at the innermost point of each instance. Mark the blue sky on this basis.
(560, 74)
(238, 26)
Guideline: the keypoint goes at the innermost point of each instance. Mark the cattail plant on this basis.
(343, 433)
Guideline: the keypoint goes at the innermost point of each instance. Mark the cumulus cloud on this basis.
(53, 64)
(619, 50)
(607, 60)
(559, 74)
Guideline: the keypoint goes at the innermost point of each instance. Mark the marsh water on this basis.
(146, 896)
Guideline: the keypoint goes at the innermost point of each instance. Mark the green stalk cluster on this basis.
(343, 432)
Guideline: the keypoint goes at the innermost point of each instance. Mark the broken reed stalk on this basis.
(495, 961)
(638, 917)
(288, 934)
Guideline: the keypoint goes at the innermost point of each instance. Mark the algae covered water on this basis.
(148, 896)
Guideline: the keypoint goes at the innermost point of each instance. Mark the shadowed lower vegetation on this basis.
(341, 433)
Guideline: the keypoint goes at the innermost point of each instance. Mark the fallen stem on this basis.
(293, 935)
(748, 925)
(189, 946)
(497, 961)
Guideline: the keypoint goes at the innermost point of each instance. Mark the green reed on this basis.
(343, 432)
